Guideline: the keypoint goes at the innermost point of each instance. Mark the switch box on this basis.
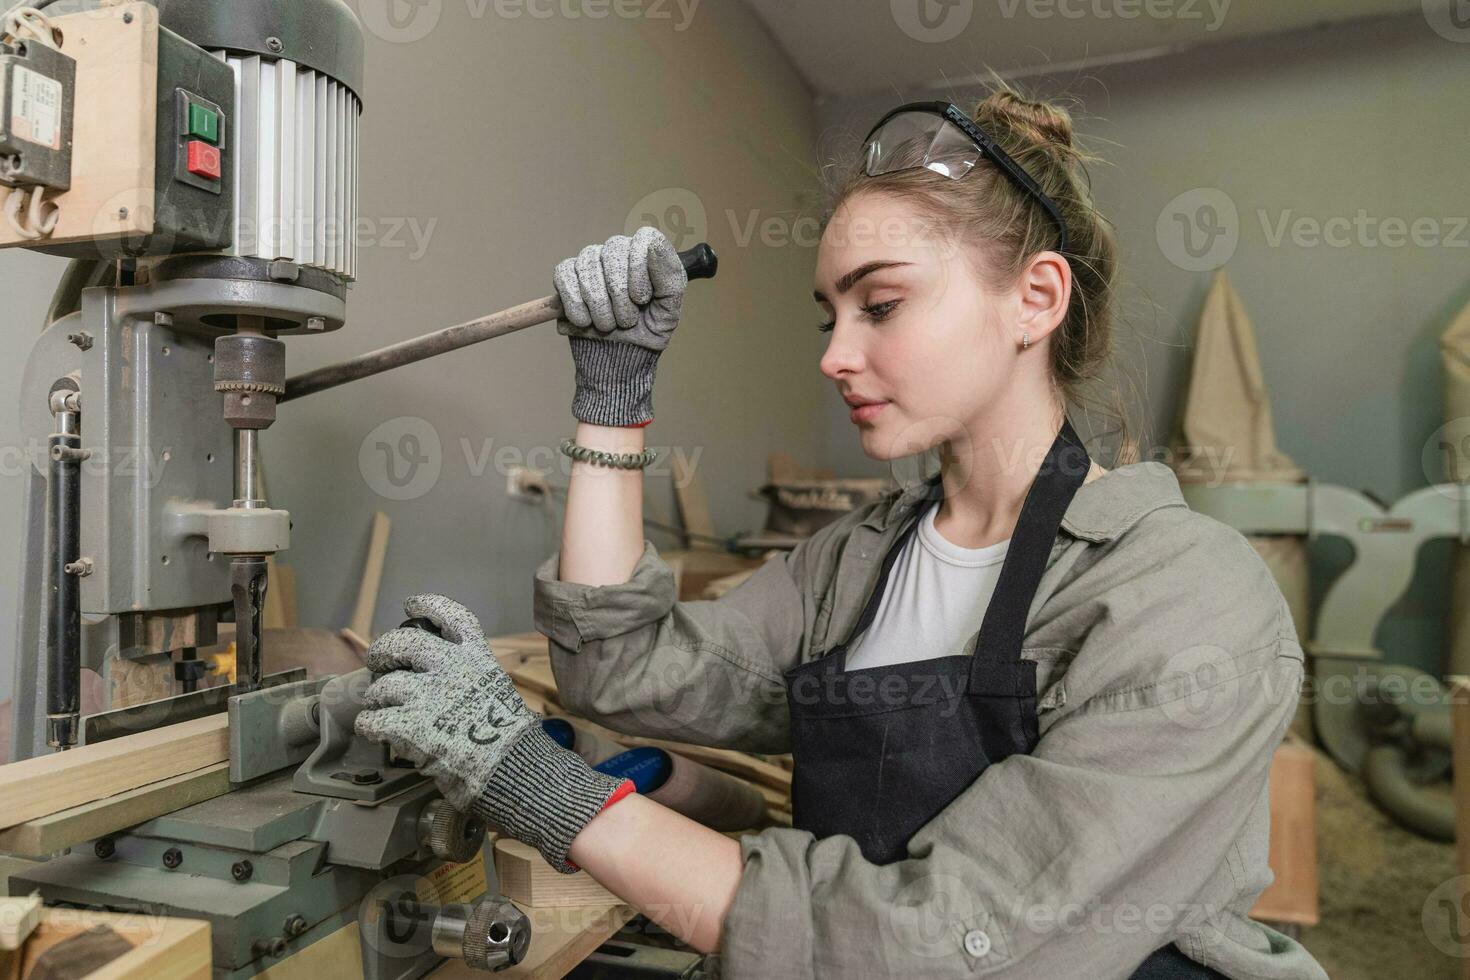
(37, 93)
(199, 154)
(142, 96)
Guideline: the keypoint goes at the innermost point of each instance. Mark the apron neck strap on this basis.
(1004, 627)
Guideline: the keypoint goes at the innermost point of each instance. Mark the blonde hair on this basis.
(1005, 226)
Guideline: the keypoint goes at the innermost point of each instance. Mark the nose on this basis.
(842, 357)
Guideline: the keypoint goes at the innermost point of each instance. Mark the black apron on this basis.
(878, 753)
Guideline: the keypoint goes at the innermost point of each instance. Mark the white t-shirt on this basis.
(935, 600)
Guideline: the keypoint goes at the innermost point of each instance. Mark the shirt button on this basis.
(977, 943)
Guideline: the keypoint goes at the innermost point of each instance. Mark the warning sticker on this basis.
(453, 882)
(35, 108)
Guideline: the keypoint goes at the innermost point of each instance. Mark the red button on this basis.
(204, 160)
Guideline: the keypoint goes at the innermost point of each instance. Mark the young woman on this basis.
(1032, 702)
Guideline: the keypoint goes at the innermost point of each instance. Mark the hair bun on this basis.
(1041, 122)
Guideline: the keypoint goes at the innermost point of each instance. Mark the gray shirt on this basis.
(1168, 669)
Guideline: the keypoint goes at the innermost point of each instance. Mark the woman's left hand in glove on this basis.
(446, 704)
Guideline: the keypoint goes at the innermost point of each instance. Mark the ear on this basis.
(1043, 290)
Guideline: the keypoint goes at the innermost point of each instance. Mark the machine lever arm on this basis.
(700, 262)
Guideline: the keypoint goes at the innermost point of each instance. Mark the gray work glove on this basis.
(621, 302)
(448, 706)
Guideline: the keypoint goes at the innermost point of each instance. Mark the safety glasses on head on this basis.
(939, 136)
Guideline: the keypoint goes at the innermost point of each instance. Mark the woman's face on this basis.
(913, 330)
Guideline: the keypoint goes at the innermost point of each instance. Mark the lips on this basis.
(864, 410)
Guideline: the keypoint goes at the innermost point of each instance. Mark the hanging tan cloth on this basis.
(1226, 434)
(1455, 353)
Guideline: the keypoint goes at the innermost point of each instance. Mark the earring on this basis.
(1026, 340)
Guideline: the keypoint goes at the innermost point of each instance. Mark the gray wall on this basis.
(1320, 125)
(507, 143)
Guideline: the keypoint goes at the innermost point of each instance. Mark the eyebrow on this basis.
(856, 275)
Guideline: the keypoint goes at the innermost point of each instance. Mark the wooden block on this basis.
(137, 680)
(1292, 897)
(18, 918)
(321, 652)
(338, 955)
(526, 878)
(288, 594)
(279, 611)
(44, 836)
(272, 611)
(49, 784)
(372, 576)
(158, 948)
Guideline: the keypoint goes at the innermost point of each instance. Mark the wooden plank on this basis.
(354, 640)
(693, 505)
(338, 955)
(527, 879)
(1292, 896)
(44, 836)
(372, 577)
(162, 948)
(1460, 754)
(523, 644)
(20, 915)
(532, 672)
(49, 784)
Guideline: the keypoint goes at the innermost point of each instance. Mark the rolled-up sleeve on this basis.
(631, 657)
(1081, 858)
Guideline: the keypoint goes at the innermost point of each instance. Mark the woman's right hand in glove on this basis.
(621, 302)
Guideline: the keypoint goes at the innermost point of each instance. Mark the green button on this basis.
(203, 123)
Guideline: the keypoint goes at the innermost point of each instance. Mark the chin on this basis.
(887, 442)
(873, 449)
(898, 438)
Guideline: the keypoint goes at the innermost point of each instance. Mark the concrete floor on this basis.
(1381, 916)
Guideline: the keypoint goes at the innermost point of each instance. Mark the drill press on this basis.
(197, 161)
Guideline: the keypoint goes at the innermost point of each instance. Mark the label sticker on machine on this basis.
(453, 883)
(35, 107)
